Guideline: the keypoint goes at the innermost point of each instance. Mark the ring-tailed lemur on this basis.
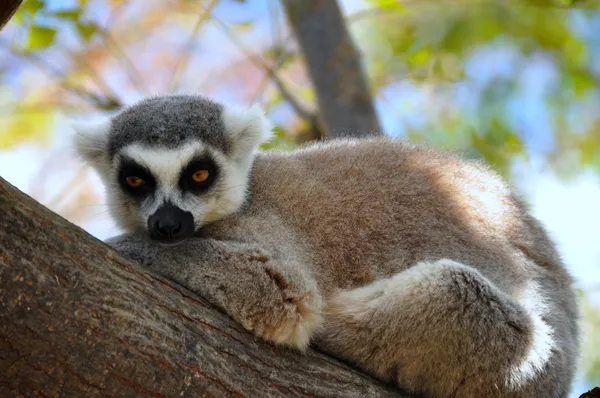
(417, 266)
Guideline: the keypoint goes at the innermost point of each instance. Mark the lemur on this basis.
(415, 265)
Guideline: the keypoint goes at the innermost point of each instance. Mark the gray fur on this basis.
(415, 265)
(169, 121)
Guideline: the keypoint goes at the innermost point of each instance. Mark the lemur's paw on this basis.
(293, 326)
(286, 314)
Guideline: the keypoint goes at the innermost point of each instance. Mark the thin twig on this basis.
(261, 87)
(289, 97)
(186, 52)
(81, 61)
(115, 14)
(55, 73)
(257, 61)
(134, 74)
(276, 39)
(275, 31)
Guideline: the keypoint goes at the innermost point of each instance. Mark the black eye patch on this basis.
(129, 168)
(199, 175)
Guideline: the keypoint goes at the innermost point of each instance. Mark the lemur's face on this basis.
(172, 192)
(173, 164)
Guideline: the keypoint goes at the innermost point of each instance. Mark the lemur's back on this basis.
(381, 205)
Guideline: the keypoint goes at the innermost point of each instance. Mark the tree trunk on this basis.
(7, 10)
(77, 319)
(334, 66)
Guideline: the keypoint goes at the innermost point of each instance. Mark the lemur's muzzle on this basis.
(170, 224)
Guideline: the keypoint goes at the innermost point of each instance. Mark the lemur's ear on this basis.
(246, 129)
(91, 141)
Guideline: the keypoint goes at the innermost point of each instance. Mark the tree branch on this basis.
(79, 320)
(7, 10)
(334, 67)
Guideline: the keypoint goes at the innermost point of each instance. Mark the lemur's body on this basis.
(415, 265)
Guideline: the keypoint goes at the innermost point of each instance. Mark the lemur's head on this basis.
(172, 164)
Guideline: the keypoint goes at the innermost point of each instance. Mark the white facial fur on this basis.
(91, 143)
(245, 129)
(225, 198)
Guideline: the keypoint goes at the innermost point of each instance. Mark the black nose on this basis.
(169, 223)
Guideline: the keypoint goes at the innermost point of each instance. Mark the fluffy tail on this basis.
(443, 329)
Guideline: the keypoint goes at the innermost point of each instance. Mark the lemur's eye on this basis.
(134, 181)
(200, 175)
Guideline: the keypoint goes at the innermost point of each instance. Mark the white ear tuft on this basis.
(246, 127)
(91, 140)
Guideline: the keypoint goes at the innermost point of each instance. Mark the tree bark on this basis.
(77, 319)
(334, 66)
(7, 10)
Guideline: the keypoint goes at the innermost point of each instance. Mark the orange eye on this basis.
(200, 175)
(134, 181)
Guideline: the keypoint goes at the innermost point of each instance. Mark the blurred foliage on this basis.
(491, 51)
(591, 328)
(499, 80)
(280, 141)
(474, 69)
(25, 122)
(22, 127)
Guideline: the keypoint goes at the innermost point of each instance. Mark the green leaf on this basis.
(591, 328)
(29, 9)
(273, 100)
(581, 81)
(388, 5)
(243, 26)
(40, 37)
(589, 146)
(25, 126)
(282, 55)
(280, 141)
(420, 58)
(70, 15)
(86, 29)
